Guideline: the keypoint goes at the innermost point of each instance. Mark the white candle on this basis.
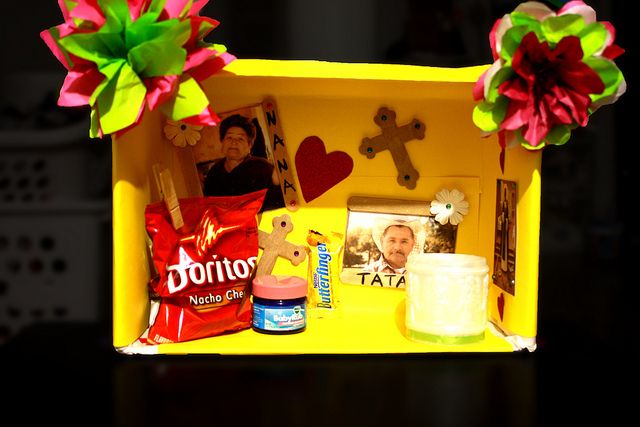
(446, 299)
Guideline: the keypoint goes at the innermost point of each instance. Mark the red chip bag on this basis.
(204, 268)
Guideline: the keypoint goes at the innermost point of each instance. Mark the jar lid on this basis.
(279, 287)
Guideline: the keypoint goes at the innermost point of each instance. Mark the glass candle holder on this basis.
(446, 299)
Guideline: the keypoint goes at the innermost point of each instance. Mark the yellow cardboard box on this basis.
(337, 102)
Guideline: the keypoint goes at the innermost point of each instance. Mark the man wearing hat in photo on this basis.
(395, 239)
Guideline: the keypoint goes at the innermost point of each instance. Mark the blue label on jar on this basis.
(279, 319)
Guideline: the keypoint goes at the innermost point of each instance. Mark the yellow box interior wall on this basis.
(337, 102)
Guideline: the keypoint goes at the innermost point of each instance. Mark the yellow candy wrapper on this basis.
(323, 278)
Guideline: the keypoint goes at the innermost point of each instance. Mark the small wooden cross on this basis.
(274, 245)
(393, 138)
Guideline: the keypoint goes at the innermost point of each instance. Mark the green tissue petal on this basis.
(156, 6)
(117, 14)
(189, 101)
(177, 33)
(488, 116)
(558, 135)
(511, 41)
(500, 77)
(153, 59)
(94, 130)
(526, 144)
(185, 9)
(70, 4)
(143, 29)
(109, 71)
(204, 27)
(592, 38)
(220, 48)
(157, 48)
(556, 28)
(120, 102)
(524, 19)
(100, 47)
(170, 31)
(609, 73)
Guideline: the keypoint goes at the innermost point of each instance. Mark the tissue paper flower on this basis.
(125, 55)
(449, 206)
(181, 134)
(551, 72)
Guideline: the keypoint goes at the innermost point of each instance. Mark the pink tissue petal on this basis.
(55, 49)
(207, 117)
(211, 66)
(63, 8)
(478, 88)
(196, 7)
(89, 10)
(198, 57)
(160, 89)
(196, 23)
(135, 7)
(579, 8)
(174, 7)
(80, 83)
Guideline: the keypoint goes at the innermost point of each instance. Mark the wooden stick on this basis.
(283, 165)
(168, 194)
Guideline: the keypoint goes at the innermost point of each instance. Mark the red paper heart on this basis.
(318, 170)
(501, 306)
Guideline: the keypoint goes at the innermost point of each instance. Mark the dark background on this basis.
(55, 283)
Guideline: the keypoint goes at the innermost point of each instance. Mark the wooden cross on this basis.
(393, 138)
(274, 245)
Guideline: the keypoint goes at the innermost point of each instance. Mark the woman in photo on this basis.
(240, 172)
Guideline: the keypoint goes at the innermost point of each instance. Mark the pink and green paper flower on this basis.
(552, 70)
(123, 56)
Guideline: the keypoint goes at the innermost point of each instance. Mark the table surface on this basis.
(586, 350)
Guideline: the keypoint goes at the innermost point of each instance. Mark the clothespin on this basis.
(168, 193)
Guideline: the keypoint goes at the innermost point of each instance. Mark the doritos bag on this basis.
(204, 268)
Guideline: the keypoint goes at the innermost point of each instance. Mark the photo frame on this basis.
(380, 235)
(504, 258)
(213, 156)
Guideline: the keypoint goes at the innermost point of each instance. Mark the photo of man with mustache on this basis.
(396, 242)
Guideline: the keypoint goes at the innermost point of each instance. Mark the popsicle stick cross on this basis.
(393, 138)
(274, 245)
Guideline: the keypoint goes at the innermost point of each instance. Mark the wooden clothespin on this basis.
(168, 194)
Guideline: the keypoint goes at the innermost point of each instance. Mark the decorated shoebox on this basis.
(399, 210)
(335, 105)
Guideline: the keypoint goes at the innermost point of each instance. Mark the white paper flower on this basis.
(181, 134)
(449, 206)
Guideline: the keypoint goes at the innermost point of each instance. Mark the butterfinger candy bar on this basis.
(324, 258)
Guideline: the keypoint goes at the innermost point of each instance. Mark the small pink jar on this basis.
(279, 304)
